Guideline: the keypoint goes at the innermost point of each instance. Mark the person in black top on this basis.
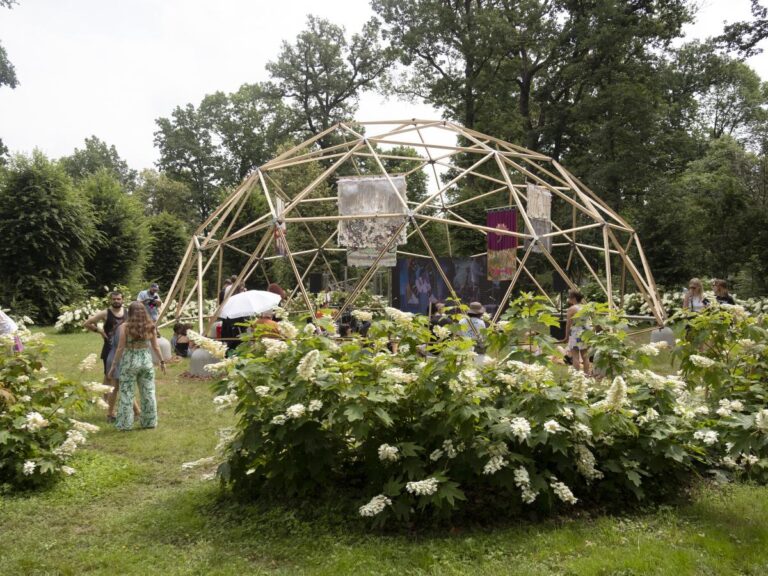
(721, 292)
(110, 318)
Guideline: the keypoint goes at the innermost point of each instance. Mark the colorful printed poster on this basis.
(502, 248)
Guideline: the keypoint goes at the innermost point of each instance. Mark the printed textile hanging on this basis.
(281, 243)
(502, 249)
(541, 226)
(367, 236)
(539, 204)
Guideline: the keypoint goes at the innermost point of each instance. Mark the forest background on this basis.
(672, 133)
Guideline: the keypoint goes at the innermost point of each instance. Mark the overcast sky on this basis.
(109, 68)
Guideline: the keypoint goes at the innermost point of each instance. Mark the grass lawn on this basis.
(130, 509)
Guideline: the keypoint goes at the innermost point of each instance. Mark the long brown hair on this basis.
(138, 324)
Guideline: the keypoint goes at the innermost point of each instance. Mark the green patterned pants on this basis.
(136, 368)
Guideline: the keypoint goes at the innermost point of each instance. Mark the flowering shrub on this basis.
(38, 433)
(672, 302)
(72, 317)
(435, 427)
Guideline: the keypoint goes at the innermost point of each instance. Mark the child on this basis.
(574, 328)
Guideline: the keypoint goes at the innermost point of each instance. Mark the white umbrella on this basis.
(249, 303)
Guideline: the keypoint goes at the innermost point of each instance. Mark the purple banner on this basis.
(502, 249)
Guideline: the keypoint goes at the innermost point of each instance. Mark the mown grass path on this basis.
(130, 509)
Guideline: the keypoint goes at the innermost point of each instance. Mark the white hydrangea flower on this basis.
(585, 462)
(84, 427)
(469, 376)
(287, 329)
(552, 426)
(649, 416)
(88, 363)
(279, 420)
(397, 375)
(729, 462)
(261, 390)
(389, 453)
(29, 468)
(508, 379)
(25, 398)
(581, 431)
(701, 361)
(225, 400)
(68, 470)
(207, 461)
(23, 379)
(761, 420)
(35, 421)
(494, 465)
(315, 405)
(648, 350)
(534, 372)
(100, 403)
(579, 383)
(521, 428)
(213, 347)
(97, 388)
(295, 411)
(563, 492)
(306, 368)
(709, 437)
(362, 316)
(423, 487)
(403, 319)
(375, 506)
(661, 345)
(616, 397)
(274, 347)
(450, 450)
(436, 455)
(748, 459)
(310, 329)
(523, 481)
(441, 332)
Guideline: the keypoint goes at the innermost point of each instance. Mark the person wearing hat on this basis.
(151, 300)
(473, 323)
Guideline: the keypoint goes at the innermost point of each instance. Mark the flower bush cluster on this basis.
(672, 302)
(435, 428)
(38, 431)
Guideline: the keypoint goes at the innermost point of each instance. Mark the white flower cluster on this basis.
(261, 390)
(214, 348)
(553, 427)
(375, 506)
(84, 427)
(709, 437)
(309, 329)
(761, 420)
(389, 453)
(295, 411)
(287, 329)
(701, 361)
(34, 421)
(306, 367)
(362, 316)
(469, 377)
(649, 416)
(727, 407)
(397, 375)
(441, 332)
(97, 388)
(315, 405)
(274, 347)
(493, 465)
(88, 363)
(448, 450)
(403, 319)
(580, 384)
(585, 462)
(615, 397)
(29, 467)
(688, 406)
(521, 428)
(226, 436)
(74, 439)
(279, 420)
(648, 350)
(581, 431)
(207, 461)
(220, 367)
(423, 487)
(536, 373)
(563, 492)
(225, 400)
(523, 481)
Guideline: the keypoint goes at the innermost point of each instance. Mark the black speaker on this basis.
(558, 283)
(315, 283)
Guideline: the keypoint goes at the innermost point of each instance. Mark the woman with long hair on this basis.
(693, 299)
(135, 360)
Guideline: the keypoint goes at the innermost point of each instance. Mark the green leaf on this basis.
(385, 418)
(354, 412)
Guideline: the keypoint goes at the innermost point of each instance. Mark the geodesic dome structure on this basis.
(346, 192)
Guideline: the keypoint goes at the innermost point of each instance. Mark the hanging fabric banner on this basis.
(502, 249)
(281, 244)
(369, 234)
(539, 204)
(541, 226)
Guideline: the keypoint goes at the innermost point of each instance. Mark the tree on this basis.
(744, 37)
(158, 193)
(323, 73)
(49, 234)
(120, 245)
(217, 144)
(168, 239)
(7, 76)
(98, 155)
